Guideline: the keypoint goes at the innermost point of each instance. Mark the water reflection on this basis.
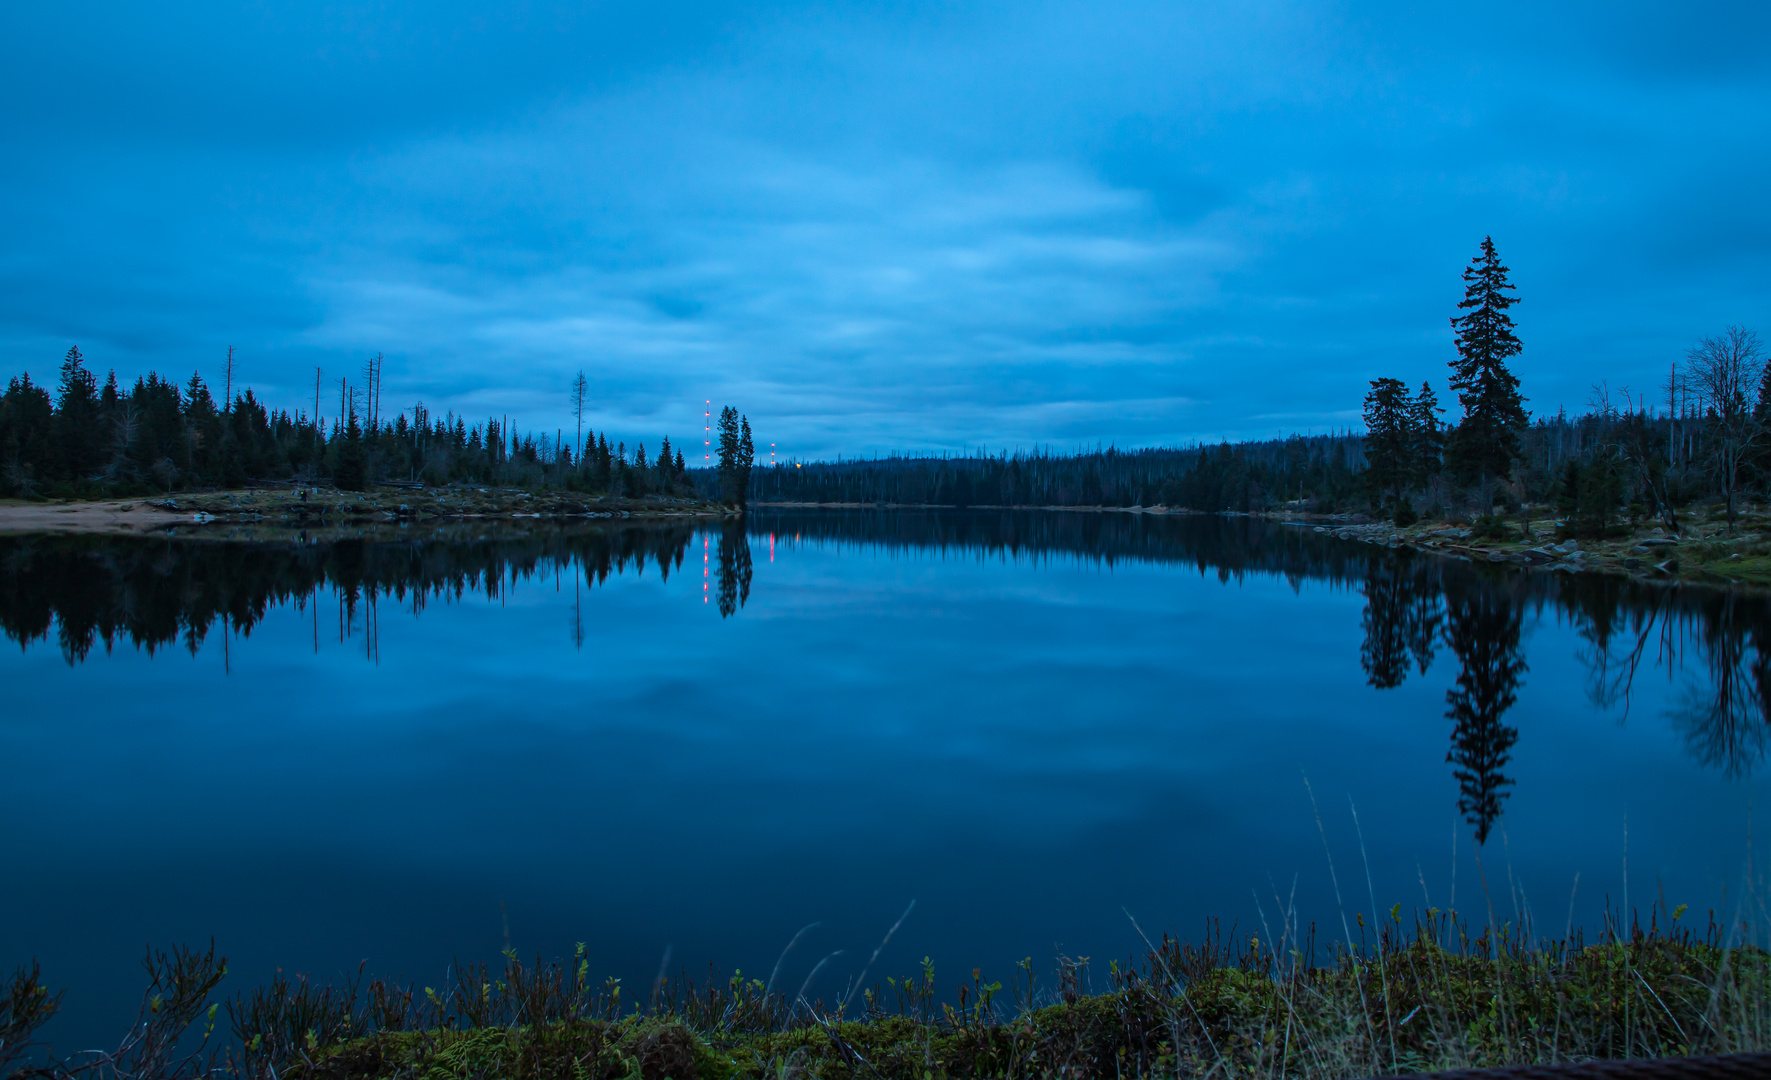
(1482, 627)
(1418, 610)
(1709, 643)
(734, 567)
(1403, 613)
(156, 593)
(1724, 703)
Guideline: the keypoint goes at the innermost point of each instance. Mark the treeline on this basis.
(1315, 469)
(1623, 460)
(156, 436)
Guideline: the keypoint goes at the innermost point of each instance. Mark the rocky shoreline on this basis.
(1708, 552)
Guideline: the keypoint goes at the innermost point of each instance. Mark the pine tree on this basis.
(729, 479)
(1486, 443)
(26, 422)
(77, 449)
(746, 460)
(1428, 433)
(1389, 439)
(202, 427)
(351, 472)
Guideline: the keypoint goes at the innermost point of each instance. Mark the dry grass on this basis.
(1430, 995)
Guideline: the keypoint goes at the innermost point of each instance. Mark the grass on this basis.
(1426, 996)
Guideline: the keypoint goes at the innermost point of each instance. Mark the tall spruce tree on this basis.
(1389, 440)
(729, 478)
(1428, 434)
(351, 472)
(78, 446)
(746, 460)
(1486, 443)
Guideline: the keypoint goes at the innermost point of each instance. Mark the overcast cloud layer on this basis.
(897, 226)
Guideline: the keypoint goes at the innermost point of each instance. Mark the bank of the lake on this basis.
(1707, 549)
(1428, 997)
(276, 512)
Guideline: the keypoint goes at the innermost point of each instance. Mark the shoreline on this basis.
(1707, 552)
(1484, 997)
(304, 510)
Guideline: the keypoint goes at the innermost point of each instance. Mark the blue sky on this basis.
(917, 226)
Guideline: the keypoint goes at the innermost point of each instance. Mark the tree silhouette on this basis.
(1486, 442)
(1389, 439)
(730, 478)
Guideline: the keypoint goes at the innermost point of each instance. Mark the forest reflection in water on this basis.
(1709, 643)
(157, 593)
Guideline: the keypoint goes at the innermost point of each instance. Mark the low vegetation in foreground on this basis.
(1434, 996)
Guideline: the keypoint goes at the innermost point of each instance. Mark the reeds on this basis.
(1400, 998)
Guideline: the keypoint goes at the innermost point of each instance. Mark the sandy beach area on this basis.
(111, 516)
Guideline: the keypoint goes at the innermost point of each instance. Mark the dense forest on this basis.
(1705, 435)
(156, 436)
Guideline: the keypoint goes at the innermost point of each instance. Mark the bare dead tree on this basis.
(125, 430)
(227, 393)
(1637, 441)
(1725, 371)
(580, 394)
(372, 392)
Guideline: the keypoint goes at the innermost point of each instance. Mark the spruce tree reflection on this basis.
(734, 567)
(1401, 620)
(1483, 629)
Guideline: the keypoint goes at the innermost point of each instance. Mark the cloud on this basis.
(916, 228)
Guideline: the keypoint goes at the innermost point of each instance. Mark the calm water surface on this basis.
(692, 742)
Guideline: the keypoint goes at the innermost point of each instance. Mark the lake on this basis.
(682, 743)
